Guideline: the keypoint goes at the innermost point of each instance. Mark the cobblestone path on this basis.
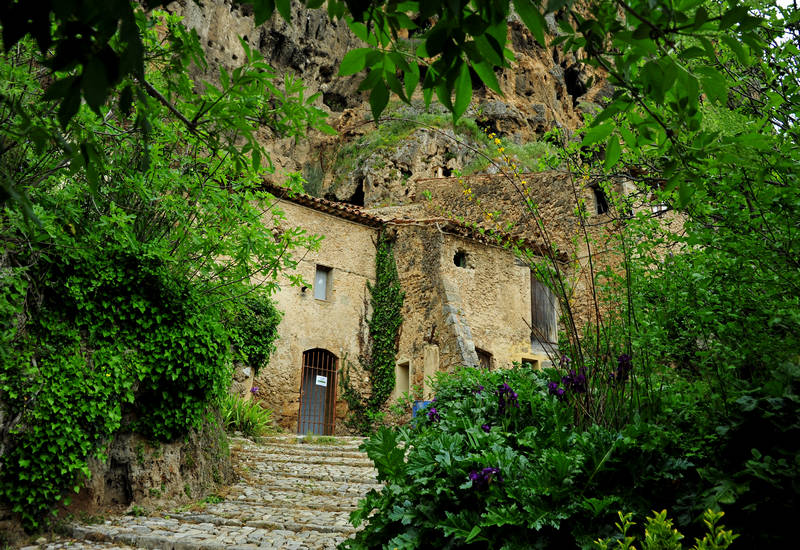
(289, 495)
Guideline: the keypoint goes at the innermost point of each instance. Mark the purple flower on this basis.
(555, 389)
(481, 479)
(478, 390)
(486, 428)
(576, 382)
(254, 390)
(506, 396)
(624, 367)
(433, 415)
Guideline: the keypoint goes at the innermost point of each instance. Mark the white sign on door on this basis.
(322, 381)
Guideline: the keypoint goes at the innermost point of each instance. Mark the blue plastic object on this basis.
(419, 407)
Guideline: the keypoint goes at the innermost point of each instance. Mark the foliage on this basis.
(255, 329)
(497, 462)
(246, 417)
(661, 535)
(96, 52)
(122, 289)
(107, 342)
(386, 302)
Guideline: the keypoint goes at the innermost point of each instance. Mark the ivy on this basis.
(386, 300)
(255, 329)
(115, 341)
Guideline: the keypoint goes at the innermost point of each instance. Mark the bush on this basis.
(254, 329)
(247, 417)
(497, 461)
(660, 534)
(115, 339)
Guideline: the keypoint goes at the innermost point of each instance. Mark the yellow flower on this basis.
(501, 149)
(496, 141)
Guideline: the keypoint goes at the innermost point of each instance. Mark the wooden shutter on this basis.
(543, 312)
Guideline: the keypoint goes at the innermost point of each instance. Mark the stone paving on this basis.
(290, 495)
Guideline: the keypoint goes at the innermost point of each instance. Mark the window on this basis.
(484, 359)
(402, 375)
(543, 313)
(322, 282)
(600, 200)
(460, 258)
(529, 363)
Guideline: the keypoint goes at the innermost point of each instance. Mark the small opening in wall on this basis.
(460, 258)
(600, 200)
(529, 363)
(484, 359)
(402, 379)
(322, 282)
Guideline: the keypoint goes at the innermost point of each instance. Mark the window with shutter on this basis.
(543, 312)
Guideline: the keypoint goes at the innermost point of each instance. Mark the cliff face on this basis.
(378, 167)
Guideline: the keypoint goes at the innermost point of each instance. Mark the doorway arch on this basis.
(317, 413)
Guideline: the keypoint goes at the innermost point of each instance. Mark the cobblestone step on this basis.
(276, 455)
(309, 496)
(290, 495)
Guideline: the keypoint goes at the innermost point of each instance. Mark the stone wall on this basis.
(557, 196)
(334, 324)
(451, 310)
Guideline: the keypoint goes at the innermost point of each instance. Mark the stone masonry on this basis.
(291, 494)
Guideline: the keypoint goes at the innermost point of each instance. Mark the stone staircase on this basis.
(292, 493)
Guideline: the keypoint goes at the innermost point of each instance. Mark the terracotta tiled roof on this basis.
(339, 209)
(356, 214)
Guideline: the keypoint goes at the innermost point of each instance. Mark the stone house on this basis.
(468, 301)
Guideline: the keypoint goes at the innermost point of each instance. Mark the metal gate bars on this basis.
(317, 413)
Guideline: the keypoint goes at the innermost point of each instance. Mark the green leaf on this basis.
(354, 61)
(597, 133)
(94, 83)
(262, 10)
(378, 99)
(285, 9)
(613, 152)
(486, 73)
(411, 79)
(70, 104)
(737, 47)
(474, 533)
(463, 86)
(713, 83)
(126, 100)
(533, 19)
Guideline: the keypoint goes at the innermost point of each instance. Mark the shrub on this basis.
(660, 534)
(254, 329)
(498, 461)
(114, 338)
(247, 417)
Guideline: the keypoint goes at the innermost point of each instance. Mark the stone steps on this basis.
(276, 454)
(290, 495)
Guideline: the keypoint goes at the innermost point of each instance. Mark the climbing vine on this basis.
(380, 350)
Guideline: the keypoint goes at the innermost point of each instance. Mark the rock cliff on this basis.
(378, 167)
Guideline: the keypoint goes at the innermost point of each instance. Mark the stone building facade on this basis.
(468, 301)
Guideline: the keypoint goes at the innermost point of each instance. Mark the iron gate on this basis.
(317, 413)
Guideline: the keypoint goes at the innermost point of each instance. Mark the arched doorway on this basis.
(317, 413)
